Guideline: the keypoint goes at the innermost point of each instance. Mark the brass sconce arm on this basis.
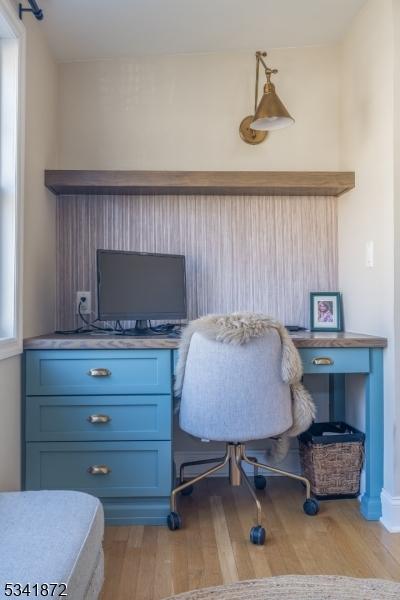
(268, 73)
(270, 113)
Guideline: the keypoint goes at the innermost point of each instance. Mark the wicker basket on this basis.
(331, 457)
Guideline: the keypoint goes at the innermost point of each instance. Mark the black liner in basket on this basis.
(332, 463)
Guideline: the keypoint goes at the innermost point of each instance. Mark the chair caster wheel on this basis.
(260, 482)
(187, 491)
(174, 521)
(311, 507)
(257, 535)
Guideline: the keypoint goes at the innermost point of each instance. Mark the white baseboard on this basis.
(291, 463)
(390, 512)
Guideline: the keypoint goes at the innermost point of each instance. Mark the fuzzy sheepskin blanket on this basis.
(240, 328)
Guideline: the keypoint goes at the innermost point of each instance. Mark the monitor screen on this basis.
(137, 285)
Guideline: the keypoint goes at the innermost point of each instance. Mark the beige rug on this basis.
(299, 587)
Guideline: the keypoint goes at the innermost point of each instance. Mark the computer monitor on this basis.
(140, 286)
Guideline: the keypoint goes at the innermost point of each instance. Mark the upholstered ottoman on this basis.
(51, 537)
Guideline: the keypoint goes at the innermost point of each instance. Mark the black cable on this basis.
(71, 331)
(118, 329)
(91, 324)
(163, 327)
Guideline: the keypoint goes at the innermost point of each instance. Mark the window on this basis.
(12, 48)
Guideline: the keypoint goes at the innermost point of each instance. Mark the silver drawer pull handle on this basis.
(322, 360)
(99, 372)
(99, 470)
(99, 419)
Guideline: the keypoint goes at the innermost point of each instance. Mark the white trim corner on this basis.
(390, 512)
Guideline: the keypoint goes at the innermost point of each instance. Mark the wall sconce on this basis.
(269, 114)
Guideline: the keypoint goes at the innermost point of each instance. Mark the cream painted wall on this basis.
(40, 205)
(183, 112)
(39, 240)
(10, 424)
(367, 213)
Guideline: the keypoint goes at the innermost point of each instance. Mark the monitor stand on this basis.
(141, 329)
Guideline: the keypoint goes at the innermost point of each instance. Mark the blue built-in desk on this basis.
(98, 415)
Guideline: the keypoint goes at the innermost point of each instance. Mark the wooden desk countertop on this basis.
(302, 339)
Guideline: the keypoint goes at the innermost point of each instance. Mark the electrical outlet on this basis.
(85, 300)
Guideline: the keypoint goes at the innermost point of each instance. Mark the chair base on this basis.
(235, 456)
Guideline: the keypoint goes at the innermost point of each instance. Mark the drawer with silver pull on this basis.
(82, 372)
(90, 418)
(104, 469)
(335, 360)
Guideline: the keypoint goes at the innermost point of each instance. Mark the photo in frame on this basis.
(326, 311)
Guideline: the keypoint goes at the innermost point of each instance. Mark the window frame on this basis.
(13, 344)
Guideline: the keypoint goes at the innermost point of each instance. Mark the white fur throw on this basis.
(240, 328)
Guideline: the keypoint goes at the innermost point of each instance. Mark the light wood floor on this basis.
(149, 563)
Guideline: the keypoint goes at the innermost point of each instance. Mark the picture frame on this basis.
(326, 312)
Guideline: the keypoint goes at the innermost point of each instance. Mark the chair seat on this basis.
(52, 536)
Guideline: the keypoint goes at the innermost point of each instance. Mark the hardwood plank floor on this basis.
(150, 563)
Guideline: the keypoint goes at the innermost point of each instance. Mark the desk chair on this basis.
(235, 393)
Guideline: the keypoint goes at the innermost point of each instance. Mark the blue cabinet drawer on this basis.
(335, 360)
(91, 418)
(104, 469)
(82, 372)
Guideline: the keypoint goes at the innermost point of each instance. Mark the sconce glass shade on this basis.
(271, 113)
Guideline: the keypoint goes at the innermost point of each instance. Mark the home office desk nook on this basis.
(98, 415)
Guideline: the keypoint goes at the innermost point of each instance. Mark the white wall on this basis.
(39, 240)
(40, 205)
(367, 213)
(183, 112)
(366, 128)
(10, 424)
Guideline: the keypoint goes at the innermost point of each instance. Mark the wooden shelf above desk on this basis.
(229, 183)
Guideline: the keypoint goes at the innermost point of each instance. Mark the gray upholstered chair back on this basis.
(235, 393)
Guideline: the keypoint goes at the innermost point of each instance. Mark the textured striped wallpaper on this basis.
(243, 253)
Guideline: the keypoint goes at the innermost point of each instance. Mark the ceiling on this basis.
(91, 29)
